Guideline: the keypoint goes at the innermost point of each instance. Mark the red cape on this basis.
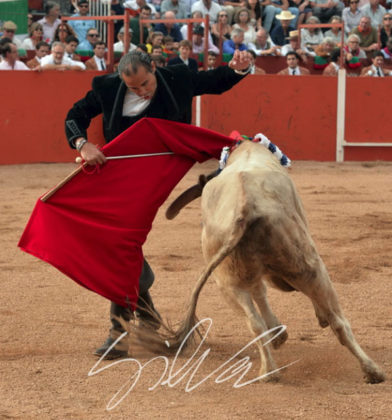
(93, 228)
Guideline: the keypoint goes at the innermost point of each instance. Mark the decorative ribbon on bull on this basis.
(92, 227)
(195, 191)
(258, 138)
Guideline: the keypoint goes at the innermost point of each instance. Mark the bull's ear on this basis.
(182, 200)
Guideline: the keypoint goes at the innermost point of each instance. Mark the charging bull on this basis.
(255, 233)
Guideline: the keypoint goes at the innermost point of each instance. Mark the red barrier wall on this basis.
(297, 113)
(32, 113)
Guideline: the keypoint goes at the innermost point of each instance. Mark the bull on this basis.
(255, 233)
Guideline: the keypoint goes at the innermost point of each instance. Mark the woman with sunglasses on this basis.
(216, 30)
(35, 36)
(386, 29)
(351, 16)
(62, 32)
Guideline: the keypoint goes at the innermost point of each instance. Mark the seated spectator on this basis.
(325, 9)
(386, 29)
(171, 29)
(211, 60)
(157, 50)
(377, 69)
(159, 60)
(230, 7)
(305, 10)
(279, 8)
(119, 46)
(35, 36)
(280, 33)
(207, 7)
(242, 21)
(323, 53)
(368, 39)
(293, 69)
(253, 68)
(326, 47)
(145, 13)
(198, 41)
(169, 46)
(50, 21)
(89, 42)
(81, 27)
(135, 6)
(41, 50)
(375, 12)
(184, 49)
(235, 43)
(311, 37)
(10, 60)
(62, 32)
(255, 11)
(353, 52)
(3, 41)
(294, 45)
(263, 44)
(155, 39)
(176, 6)
(97, 62)
(333, 67)
(387, 50)
(335, 33)
(71, 43)
(9, 28)
(351, 16)
(57, 60)
(226, 28)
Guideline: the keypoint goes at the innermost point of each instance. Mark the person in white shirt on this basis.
(207, 7)
(375, 12)
(57, 60)
(135, 5)
(263, 44)
(294, 45)
(119, 46)
(10, 58)
(377, 69)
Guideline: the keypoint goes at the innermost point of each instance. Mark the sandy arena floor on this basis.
(50, 325)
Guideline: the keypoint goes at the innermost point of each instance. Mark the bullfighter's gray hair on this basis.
(131, 62)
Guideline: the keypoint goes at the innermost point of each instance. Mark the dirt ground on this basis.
(50, 325)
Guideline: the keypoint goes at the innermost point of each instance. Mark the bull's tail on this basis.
(190, 319)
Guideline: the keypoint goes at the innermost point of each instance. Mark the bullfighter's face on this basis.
(143, 82)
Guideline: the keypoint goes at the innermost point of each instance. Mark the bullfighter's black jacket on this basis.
(176, 87)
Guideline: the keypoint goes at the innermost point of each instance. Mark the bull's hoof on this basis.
(323, 322)
(272, 378)
(280, 339)
(374, 375)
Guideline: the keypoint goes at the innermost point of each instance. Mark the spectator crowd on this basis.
(261, 27)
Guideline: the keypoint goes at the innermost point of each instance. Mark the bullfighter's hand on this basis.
(240, 60)
(92, 155)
